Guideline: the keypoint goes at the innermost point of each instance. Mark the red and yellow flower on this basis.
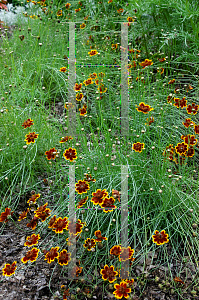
(189, 88)
(82, 202)
(171, 81)
(121, 290)
(63, 69)
(115, 250)
(188, 123)
(59, 13)
(170, 98)
(97, 81)
(76, 271)
(107, 204)
(23, 215)
(192, 108)
(75, 228)
(126, 253)
(93, 76)
(82, 187)
(162, 70)
(66, 139)
(99, 236)
(146, 63)
(149, 121)
(70, 154)
(108, 273)
(130, 19)
(51, 255)
(79, 96)
(5, 216)
(189, 139)
(30, 138)
(51, 154)
(77, 87)
(101, 74)
(82, 26)
(89, 178)
(169, 152)
(138, 147)
(98, 196)
(161, 59)
(190, 152)
(180, 103)
(114, 46)
(196, 129)
(102, 89)
(9, 270)
(27, 123)
(33, 223)
(116, 194)
(181, 148)
(67, 5)
(83, 110)
(52, 222)
(120, 10)
(89, 244)
(93, 52)
(44, 214)
(64, 257)
(160, 238)
(60, 224)
(41, 208)
(144, 108)
(88, 81)
(31, 255)
(32, 240)
(129, 282)
(33, 198)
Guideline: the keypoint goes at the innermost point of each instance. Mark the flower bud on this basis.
(193, 292)
(100, 245)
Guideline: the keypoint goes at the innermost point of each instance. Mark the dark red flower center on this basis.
(60, 224)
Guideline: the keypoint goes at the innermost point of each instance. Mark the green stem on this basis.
(145, 43)
(18, 226)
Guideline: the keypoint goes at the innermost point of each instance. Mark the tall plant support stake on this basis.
(72, 132)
